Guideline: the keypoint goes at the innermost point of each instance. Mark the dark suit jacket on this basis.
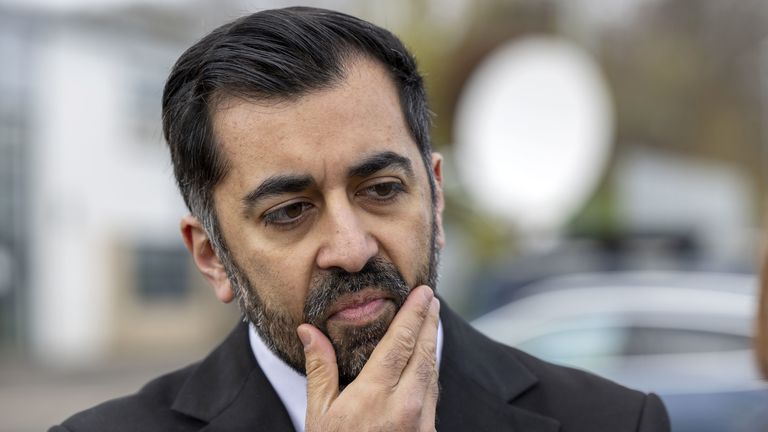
(484, 386)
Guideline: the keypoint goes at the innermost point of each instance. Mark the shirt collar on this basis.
(290, 385)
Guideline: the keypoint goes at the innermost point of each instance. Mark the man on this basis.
(300, 142)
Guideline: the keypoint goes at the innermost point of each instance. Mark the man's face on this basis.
(327, 213)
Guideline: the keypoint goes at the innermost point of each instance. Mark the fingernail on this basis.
(305, 336)
(428, 294)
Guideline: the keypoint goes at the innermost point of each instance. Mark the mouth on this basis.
(360, 307)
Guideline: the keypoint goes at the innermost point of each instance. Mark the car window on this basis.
(645, 340)
(622, 341)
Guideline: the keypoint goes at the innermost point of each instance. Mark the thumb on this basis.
(322, 371)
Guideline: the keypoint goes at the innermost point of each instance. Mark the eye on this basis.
(287, 215)
(384, 191)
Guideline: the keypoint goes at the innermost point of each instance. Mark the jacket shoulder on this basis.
(147, 410)
(576, 397)
(576, 400)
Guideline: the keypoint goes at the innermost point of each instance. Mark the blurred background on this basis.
(605, 181)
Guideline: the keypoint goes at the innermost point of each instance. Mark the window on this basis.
(162, 272)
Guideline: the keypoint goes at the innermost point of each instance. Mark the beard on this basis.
(353, 344)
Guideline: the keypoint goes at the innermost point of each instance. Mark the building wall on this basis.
(108, 274)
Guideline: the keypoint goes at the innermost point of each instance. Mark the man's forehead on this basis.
(341, 124)
(359, 74)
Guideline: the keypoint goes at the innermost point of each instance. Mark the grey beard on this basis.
(278, 329)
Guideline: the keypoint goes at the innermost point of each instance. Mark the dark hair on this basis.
(276, 54)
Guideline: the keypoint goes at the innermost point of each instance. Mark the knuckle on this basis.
(434, 391)
(423, 311)
(428, 350)
(425, 371)
(316, 370)
(313, 366)
(404, 341)
(411, 409)
(434, 388)
(405, 337)
(395, 359)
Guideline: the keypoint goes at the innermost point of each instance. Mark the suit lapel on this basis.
(230, 391)
(479, 382)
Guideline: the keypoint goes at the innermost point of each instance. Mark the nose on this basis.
(347, 243)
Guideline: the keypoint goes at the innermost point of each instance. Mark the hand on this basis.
(397, 388)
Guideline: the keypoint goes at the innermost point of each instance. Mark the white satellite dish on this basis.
(533, 132)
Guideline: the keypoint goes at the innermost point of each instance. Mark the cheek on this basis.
(278, 280)
(279, 275)
(406, 242)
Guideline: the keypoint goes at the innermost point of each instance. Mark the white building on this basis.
(91, 262)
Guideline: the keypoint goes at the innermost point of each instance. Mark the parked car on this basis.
(685, 336)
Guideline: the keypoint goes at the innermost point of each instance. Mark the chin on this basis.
(354, 344)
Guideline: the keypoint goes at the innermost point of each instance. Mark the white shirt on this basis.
(290, 385)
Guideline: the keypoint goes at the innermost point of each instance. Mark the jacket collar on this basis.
(230, 392)
(480, 380)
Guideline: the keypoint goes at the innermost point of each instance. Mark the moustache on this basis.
(328, 287)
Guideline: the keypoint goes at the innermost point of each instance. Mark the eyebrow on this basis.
(276, 185)
(287, 183)
(378, 162)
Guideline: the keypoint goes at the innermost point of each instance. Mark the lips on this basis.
(358, 306)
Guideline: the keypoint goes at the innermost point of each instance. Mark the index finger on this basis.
(391, 355)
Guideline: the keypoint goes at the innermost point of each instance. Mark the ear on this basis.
(437, 171)
(206, 260)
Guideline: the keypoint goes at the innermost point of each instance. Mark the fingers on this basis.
(392, 354)
(398, 386)
(429, 412)
(322, 372)
(418, 384)
(422, 366)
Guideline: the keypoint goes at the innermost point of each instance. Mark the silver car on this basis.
(685, 336)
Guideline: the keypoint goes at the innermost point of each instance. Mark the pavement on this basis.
(35, 397)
